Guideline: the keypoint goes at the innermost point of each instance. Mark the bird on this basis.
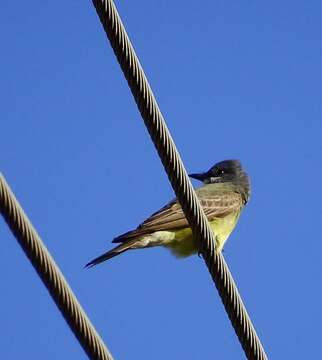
(223, 195)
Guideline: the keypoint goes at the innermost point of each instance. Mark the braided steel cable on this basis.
(50, 275)
(180, 182)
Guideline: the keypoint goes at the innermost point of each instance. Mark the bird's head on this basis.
(226, 171)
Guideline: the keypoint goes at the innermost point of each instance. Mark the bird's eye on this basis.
(221, 172)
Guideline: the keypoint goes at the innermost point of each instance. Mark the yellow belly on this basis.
(184, 244)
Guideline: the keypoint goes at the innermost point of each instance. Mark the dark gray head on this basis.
(227, 171)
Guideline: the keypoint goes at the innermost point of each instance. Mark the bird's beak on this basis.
(200, 177)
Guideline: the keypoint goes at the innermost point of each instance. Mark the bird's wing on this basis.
(171, 217)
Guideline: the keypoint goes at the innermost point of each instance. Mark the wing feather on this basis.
(171, 217)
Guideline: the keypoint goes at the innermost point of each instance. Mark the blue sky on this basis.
(234, 80)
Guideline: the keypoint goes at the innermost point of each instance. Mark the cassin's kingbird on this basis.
(225, 192)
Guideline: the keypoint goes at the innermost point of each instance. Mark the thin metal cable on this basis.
(180, 182)
(50, 275)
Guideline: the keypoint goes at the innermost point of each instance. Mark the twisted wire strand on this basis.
(50, 274)
(180, 182)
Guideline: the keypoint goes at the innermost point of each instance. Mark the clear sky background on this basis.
(238, 79)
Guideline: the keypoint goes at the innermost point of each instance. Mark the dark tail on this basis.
(111, 253)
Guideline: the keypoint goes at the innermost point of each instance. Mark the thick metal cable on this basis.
(180, 182)
(50, 275)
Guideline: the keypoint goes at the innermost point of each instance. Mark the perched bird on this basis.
(225, 192)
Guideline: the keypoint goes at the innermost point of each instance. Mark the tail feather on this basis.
(111, 253)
